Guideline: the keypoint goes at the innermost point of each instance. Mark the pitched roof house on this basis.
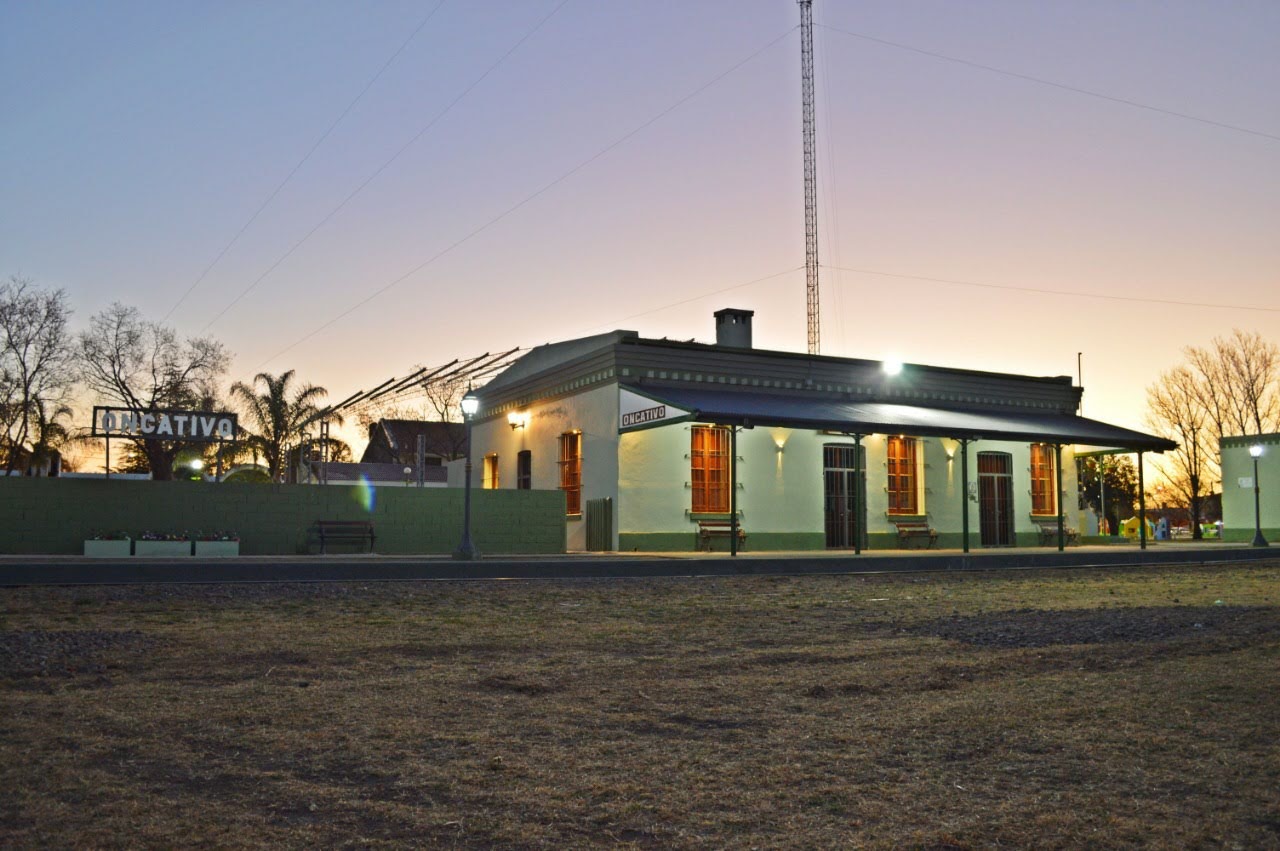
(393, 441)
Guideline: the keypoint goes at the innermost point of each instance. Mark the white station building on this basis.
(669, 446)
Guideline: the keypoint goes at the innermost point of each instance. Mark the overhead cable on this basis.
(382, 168)
(1042, 81)
(303, 161)
(528, 198)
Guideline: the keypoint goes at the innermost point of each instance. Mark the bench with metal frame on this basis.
(1049, 532)
(343, 530)
(708, 529)
(918, 531)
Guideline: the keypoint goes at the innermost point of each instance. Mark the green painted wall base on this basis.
(50, 515)
(1244, 536)
(687, 542)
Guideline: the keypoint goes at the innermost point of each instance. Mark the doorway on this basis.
(995, 498)
(844, 495)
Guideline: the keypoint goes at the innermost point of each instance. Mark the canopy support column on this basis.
(858, 519)
(1057, 475)
(1142, 507)
(733, 491)
(964, 492)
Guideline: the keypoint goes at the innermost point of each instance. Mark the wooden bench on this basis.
(1049, 533)
(708, 529)
(917, 532)
(343, 530)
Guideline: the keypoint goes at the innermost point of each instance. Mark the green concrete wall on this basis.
(49, 515)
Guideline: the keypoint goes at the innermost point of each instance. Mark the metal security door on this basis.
(845, 495)
(995, 498)
(599, 519)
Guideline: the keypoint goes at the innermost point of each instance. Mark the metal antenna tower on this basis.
(810, 174)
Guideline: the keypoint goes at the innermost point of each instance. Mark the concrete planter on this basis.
(217, 549)
(169, 549)
(108, 549)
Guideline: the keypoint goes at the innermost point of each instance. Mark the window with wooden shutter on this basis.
(571, 471)
(1043, 481)
(709, 469)
(902, 484)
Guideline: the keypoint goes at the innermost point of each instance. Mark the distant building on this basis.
(1238, 498)
(657, 444)
(394, 441)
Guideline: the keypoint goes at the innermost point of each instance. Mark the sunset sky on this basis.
(353, 189)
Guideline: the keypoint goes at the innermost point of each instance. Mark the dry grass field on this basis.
(1064, 709)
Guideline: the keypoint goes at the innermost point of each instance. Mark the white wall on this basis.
(1238, 505)
(782, 491)
(593, 412)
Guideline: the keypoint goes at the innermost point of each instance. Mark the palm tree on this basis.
(277, 416)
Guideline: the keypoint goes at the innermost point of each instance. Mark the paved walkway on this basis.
(78, 570)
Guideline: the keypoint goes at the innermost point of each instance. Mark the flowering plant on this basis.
(216, 536)
(110, 535)
(162, 536)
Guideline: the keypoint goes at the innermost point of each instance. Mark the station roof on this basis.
(755, 408)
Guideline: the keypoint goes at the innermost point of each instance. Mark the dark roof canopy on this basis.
(743, 407)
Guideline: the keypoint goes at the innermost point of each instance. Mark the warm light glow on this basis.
(1255, 450)
(517, 420)
(892, 366)
(470, 404)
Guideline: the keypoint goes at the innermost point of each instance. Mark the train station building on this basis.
(661, 445)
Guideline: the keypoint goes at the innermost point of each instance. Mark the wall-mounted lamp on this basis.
(891, 366)
(949, 446)
(515, 419)
(780, 444)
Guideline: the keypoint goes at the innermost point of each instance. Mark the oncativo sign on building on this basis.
(163, 425)
(636, 411)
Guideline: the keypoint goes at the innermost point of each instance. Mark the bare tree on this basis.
(140, 364)
(1176, 411)
(36, 372)
(1252, 368)
(1230, 388)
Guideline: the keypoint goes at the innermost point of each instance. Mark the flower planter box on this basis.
(108, 549)
(217, 549)
(170, 549)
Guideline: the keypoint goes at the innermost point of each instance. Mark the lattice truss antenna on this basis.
(810, 175)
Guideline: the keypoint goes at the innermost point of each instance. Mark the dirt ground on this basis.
(1055, 709)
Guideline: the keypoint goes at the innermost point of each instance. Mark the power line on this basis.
(692, 299)
(303, 161)
(528, 198)
(1056, 85)
(385, 165)
(1069, 294)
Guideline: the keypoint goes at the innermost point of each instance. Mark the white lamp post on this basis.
(1258, 540)
(466, 550)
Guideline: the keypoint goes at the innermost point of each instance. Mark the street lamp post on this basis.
(466, 550)
(1258, 540)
